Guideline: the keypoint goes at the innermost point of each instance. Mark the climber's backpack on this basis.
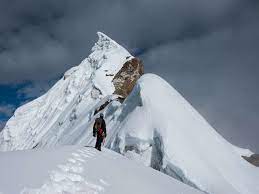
(100, 132)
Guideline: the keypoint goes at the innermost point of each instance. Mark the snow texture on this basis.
(81, 170)
(158, 127)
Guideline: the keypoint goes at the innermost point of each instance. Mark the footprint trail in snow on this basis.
(69, 178)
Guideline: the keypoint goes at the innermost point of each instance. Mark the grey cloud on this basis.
(35, 89)
(7, 110)
(218, 74)
(2, 125)
(40, 39)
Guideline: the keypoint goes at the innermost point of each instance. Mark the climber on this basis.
(99, 130)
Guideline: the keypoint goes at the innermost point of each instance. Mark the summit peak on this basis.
(104, 42)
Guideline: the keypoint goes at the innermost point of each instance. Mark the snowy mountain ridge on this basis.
(159, 128)
(154, 125)
(55, 113)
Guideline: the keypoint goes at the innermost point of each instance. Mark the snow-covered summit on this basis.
(104, 43)
(71, 100)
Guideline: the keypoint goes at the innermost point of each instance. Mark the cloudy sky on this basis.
(208, 50)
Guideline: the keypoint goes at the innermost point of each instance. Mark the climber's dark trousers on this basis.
(98, 144)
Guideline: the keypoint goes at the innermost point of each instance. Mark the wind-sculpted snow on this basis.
(69, 104)
(81, 170)
(158, 127)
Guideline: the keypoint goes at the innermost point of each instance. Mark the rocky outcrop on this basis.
(254, 159)
(124, 81)
(126, 78)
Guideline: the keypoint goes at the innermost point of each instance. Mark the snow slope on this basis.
(158, 127)
(69, 104)
(80, 170)
(155, 125)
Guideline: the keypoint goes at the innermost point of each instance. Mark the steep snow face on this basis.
(69, 104)
(81, 170)
(158, 127)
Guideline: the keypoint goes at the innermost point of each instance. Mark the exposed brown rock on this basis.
(254, 159)
(124, 81)
(126, 78)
